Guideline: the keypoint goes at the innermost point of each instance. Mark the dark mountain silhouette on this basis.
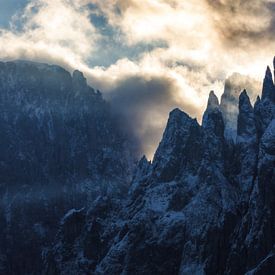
(204, 205)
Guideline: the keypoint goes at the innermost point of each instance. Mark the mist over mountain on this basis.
(73, 199)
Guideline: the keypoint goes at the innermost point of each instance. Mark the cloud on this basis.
(241, 22)
(54, 31)
(156, 55)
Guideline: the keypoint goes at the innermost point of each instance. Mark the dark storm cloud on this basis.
(243, 21)
(144, 105)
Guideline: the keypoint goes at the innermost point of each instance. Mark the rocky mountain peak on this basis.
(178, 116)
(213, 101)
(268, 85)
(244, 102)
(180, 133)
(265, 108)
(212, 116)
(246, 121)
(268, 73)
(178, 122)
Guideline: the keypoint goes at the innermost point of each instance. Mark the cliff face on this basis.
(204, 205)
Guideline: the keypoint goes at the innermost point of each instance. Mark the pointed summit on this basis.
(244, 102)
(213, 130)
(246, 122)
(212, 107)
(268, 73)
(177, 120)
(213, 101)
(179, 145)
(268, 85)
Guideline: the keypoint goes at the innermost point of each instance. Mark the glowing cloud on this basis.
(186, 49)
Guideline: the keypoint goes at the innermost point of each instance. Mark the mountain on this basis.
(204, 205)
(55, 127)
(61, 146)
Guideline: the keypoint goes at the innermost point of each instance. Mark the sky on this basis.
(147, 57)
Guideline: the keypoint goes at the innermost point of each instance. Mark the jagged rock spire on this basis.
(213, 101)
(179, 145)
(78, 76)
(264, 109)
(246, 121)
(268, 85)
(212, 106)
(244, 102)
